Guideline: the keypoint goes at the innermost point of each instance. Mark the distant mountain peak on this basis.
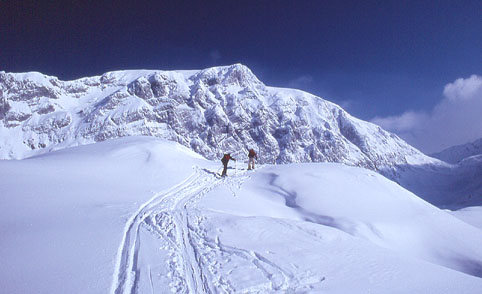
(458, 153)
(218, 109)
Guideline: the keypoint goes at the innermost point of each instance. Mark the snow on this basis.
(287, 125)
(449, 186)
(363, 204)
(35, 77)
(213, 111)
(457, 153)
(63, 213)
(471, 215)
(20, 107)
(146, 215)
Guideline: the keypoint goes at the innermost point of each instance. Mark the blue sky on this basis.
(378, 59)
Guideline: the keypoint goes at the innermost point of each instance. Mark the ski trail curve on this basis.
(171, 223)
(124, 277)
(166, 216)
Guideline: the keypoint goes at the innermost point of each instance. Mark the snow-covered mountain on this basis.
(144, 215)
(457, 153)
(451, 186)
(211, 111)
(454, 183)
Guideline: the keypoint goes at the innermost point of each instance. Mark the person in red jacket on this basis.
(252, 155)
(225, 161)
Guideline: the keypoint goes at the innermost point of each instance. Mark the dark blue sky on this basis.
(376, 58)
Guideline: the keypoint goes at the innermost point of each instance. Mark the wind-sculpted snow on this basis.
(145, 215)
(212, 111)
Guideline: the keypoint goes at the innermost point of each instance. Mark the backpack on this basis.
(252, 153)
(225, 158)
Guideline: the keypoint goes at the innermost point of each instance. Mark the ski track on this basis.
(278, 279)
(126, 267)
(170, 218)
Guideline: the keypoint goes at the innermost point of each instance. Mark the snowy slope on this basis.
(143, 215)
(63, 213)
(470, 215)
(217, 110)
(211, 111)
(457, 153)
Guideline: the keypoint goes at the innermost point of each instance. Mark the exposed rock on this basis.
(212, 111)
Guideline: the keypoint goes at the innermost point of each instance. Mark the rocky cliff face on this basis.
(216, 110)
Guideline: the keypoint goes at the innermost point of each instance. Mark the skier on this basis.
(225, 161)
(252, 155)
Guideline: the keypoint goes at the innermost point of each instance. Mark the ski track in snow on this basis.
(171, 219)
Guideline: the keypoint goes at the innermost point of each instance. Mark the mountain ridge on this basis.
(458, 153)
(211, 111)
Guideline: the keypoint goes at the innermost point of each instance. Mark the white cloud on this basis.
(456, 119)
(402, 123)
(464, 89)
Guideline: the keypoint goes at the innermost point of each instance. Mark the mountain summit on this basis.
(215, 110)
